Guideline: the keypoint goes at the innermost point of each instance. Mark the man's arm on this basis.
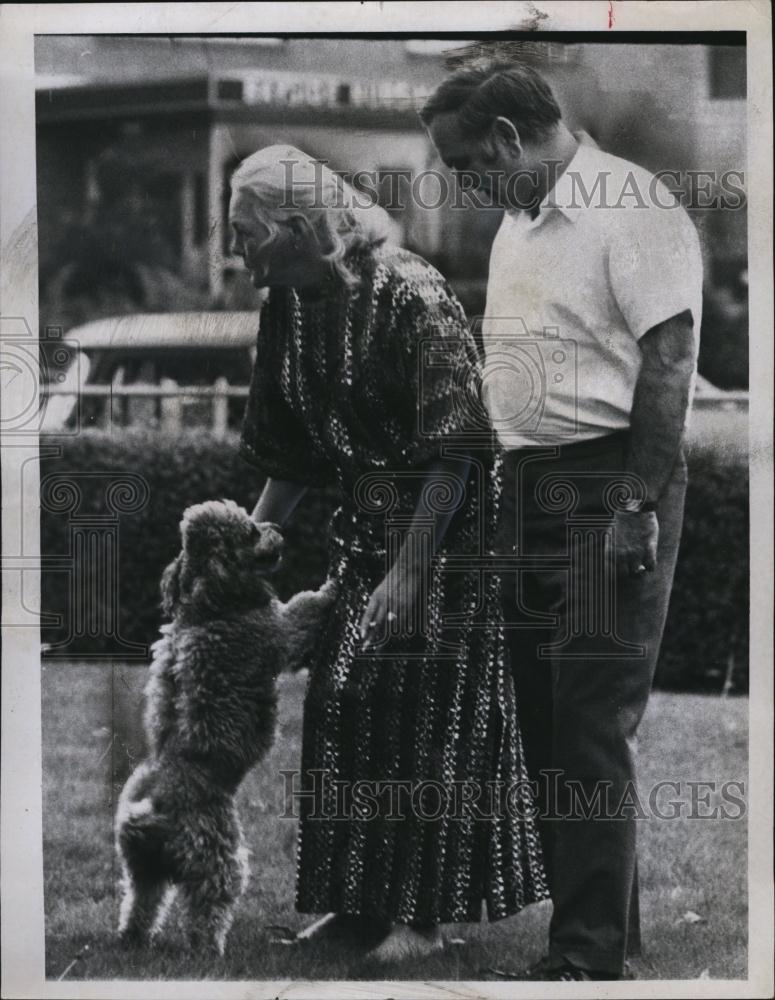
(661, 400)
(656, 430)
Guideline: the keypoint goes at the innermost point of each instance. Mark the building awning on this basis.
(168, 330)
(234, 96)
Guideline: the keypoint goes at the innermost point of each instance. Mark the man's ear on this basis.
(506, 134)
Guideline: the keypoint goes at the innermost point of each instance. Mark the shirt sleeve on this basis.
(655, 264)
(273, 437)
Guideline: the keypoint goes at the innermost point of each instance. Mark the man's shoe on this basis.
(549, 970)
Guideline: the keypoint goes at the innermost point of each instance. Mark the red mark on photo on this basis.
(611, 13)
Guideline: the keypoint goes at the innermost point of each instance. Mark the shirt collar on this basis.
(565, 196)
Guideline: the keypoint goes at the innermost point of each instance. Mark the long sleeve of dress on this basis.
(273, 437)
(437, 368)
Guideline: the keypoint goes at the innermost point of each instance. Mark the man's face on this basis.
(496, 162)
(460, 152)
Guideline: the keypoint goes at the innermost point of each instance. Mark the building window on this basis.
(230, 90)
(200, 209)
(228, 169)
(727, 72)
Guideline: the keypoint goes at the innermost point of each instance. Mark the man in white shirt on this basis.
(591, 335)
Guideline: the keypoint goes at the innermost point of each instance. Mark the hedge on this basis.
(705, 647)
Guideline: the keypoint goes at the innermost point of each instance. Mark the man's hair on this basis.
(480, 95)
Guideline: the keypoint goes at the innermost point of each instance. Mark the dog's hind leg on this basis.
(142, 907)
(209, 907)
(140, 838)
(216, 880)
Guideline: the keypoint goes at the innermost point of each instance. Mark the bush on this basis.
(174, 473)
(705, 647)
(706, 639)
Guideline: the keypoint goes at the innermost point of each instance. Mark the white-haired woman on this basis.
(409, 703)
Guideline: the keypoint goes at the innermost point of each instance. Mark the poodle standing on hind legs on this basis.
(210, 716)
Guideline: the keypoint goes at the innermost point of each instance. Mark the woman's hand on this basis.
(393, 606)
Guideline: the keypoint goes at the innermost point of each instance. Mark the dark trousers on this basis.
(584, 642)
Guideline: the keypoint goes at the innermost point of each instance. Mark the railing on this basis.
(721, 399)
(172, 397)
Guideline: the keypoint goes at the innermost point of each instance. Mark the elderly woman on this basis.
(409, 714)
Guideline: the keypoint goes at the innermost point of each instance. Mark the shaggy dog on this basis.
(210, 715)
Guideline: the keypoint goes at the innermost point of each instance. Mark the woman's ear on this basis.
(170, 586)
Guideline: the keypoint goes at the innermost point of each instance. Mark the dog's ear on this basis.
(170, 586)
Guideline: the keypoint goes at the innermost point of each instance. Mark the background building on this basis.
(147, 130)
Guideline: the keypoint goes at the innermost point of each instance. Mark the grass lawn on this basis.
(687, 865)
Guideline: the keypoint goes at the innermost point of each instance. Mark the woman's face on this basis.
(292, 257)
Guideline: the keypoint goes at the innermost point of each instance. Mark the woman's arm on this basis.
(278, 501)
(397, 595)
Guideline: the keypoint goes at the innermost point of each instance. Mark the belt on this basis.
(576, 449)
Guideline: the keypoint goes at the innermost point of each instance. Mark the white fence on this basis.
(167, 406)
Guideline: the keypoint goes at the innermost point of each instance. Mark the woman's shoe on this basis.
(405, 941)
(334, 928)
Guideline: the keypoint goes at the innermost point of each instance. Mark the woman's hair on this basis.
(481, 94)
(284, 183)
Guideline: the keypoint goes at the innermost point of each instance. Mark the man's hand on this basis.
(394, 599)
(636, 535)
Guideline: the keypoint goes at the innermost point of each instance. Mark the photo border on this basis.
(21, 817)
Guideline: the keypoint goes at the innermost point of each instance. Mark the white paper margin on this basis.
(21, 873)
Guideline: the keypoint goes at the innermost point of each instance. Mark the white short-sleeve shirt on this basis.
(610, 255)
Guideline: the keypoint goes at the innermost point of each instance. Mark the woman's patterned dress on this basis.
(415, 803)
